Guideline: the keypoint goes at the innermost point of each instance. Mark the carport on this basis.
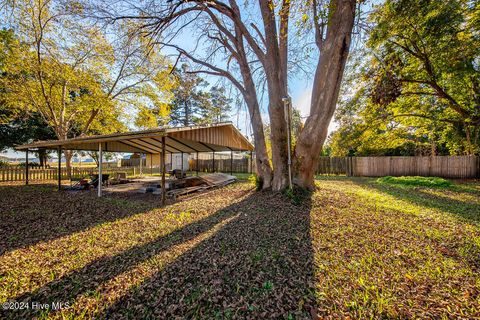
(194, 139)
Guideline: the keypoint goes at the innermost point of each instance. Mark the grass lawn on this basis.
(355, 248)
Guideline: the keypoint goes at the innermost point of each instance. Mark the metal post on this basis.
(287, 110)
(151, 163)
(181, 166)
(213, 161)
(141, 160)
(231, 162)
(196, 165)
(171, 161)
(59, 168)
(160, 163)
(26, 167)
(100, 160)
(163, 172)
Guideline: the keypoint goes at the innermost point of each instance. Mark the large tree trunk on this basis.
(42, 157)
(278, 138)
(275, 65)
(326, 86)
(68, 162)
(264, 170)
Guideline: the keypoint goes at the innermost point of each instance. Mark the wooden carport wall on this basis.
(211, 138)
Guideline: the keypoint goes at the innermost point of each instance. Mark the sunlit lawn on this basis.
(356, 247)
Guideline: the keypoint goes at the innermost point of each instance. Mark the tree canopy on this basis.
(192, 102)
(79, 76)
(248, 43)
(419, 88)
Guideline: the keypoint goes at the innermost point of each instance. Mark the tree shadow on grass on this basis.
(35, 213)
(259, 264)
(466, 210)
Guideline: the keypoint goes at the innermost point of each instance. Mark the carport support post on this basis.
(163, 172)
(141, 160)
(26, 167)
(182, 162)
(213, 161)
(231, 162)
(196, 165)
(100, 160)
(59, 176)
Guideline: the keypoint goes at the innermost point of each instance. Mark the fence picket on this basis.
(457, 167)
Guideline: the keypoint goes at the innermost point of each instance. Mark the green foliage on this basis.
(417, 83)
(80, 78)
(256, 181)
(3, 164)
(190, 103)
(433, 182)
(193, 104)
(297, 195)
(218, 107)
(23, 128)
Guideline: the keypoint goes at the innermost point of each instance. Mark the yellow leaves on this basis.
(305, 18)
(75, 7)
(146, 119)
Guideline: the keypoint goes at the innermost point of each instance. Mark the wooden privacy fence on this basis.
(332, 165)
(221, 165)
(458, 167)
(40, 174)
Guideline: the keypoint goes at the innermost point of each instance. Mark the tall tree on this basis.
(71, 72)
(24, 128)
(263, 42)
(191, 103)
(190, 100)
(424, 66)
(333, 37)
(219, 106)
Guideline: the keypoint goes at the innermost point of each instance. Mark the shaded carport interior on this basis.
(193, 139)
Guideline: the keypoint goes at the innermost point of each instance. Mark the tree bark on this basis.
(326, 86)
(264, 170)
(249, 92)
(68, 162)
(42, 157)
(275, 65)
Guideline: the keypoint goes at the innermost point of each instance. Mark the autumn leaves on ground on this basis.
(357, 248)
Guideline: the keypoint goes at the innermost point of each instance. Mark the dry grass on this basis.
(355, 248)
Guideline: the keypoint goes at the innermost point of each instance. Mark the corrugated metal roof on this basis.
(216, 137)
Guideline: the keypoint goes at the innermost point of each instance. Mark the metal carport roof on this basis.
(216, 137)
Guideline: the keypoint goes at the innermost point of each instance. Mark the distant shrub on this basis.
(3, 164)
(416, 181)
